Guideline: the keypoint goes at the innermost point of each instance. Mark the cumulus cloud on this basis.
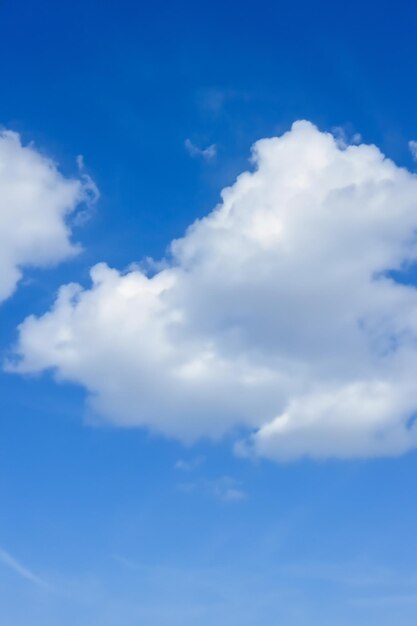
(277, 319)
(35, 202)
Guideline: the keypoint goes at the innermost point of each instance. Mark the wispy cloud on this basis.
(208, 153)
(225, 488)
(128, 563)
(413, 149)
(12, 563)
(189, 465)
(228, 489)
(345, 137)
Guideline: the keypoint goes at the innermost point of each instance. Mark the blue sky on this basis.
(165, 522)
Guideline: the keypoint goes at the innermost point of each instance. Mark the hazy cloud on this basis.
(208, 153)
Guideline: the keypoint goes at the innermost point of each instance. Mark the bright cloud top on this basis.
(276, 318)
(35, 201)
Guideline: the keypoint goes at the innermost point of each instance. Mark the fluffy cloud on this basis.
(277, 318)
(35, 200)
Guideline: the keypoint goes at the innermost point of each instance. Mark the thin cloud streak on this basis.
(12, 563)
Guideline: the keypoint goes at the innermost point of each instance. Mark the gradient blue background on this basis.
(122, 537)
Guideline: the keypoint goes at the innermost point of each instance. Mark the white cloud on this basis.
(206, 153)
(275, 319)
(35, 202)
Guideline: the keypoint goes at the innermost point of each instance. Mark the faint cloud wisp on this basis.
(13, 564)
(194, 151)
